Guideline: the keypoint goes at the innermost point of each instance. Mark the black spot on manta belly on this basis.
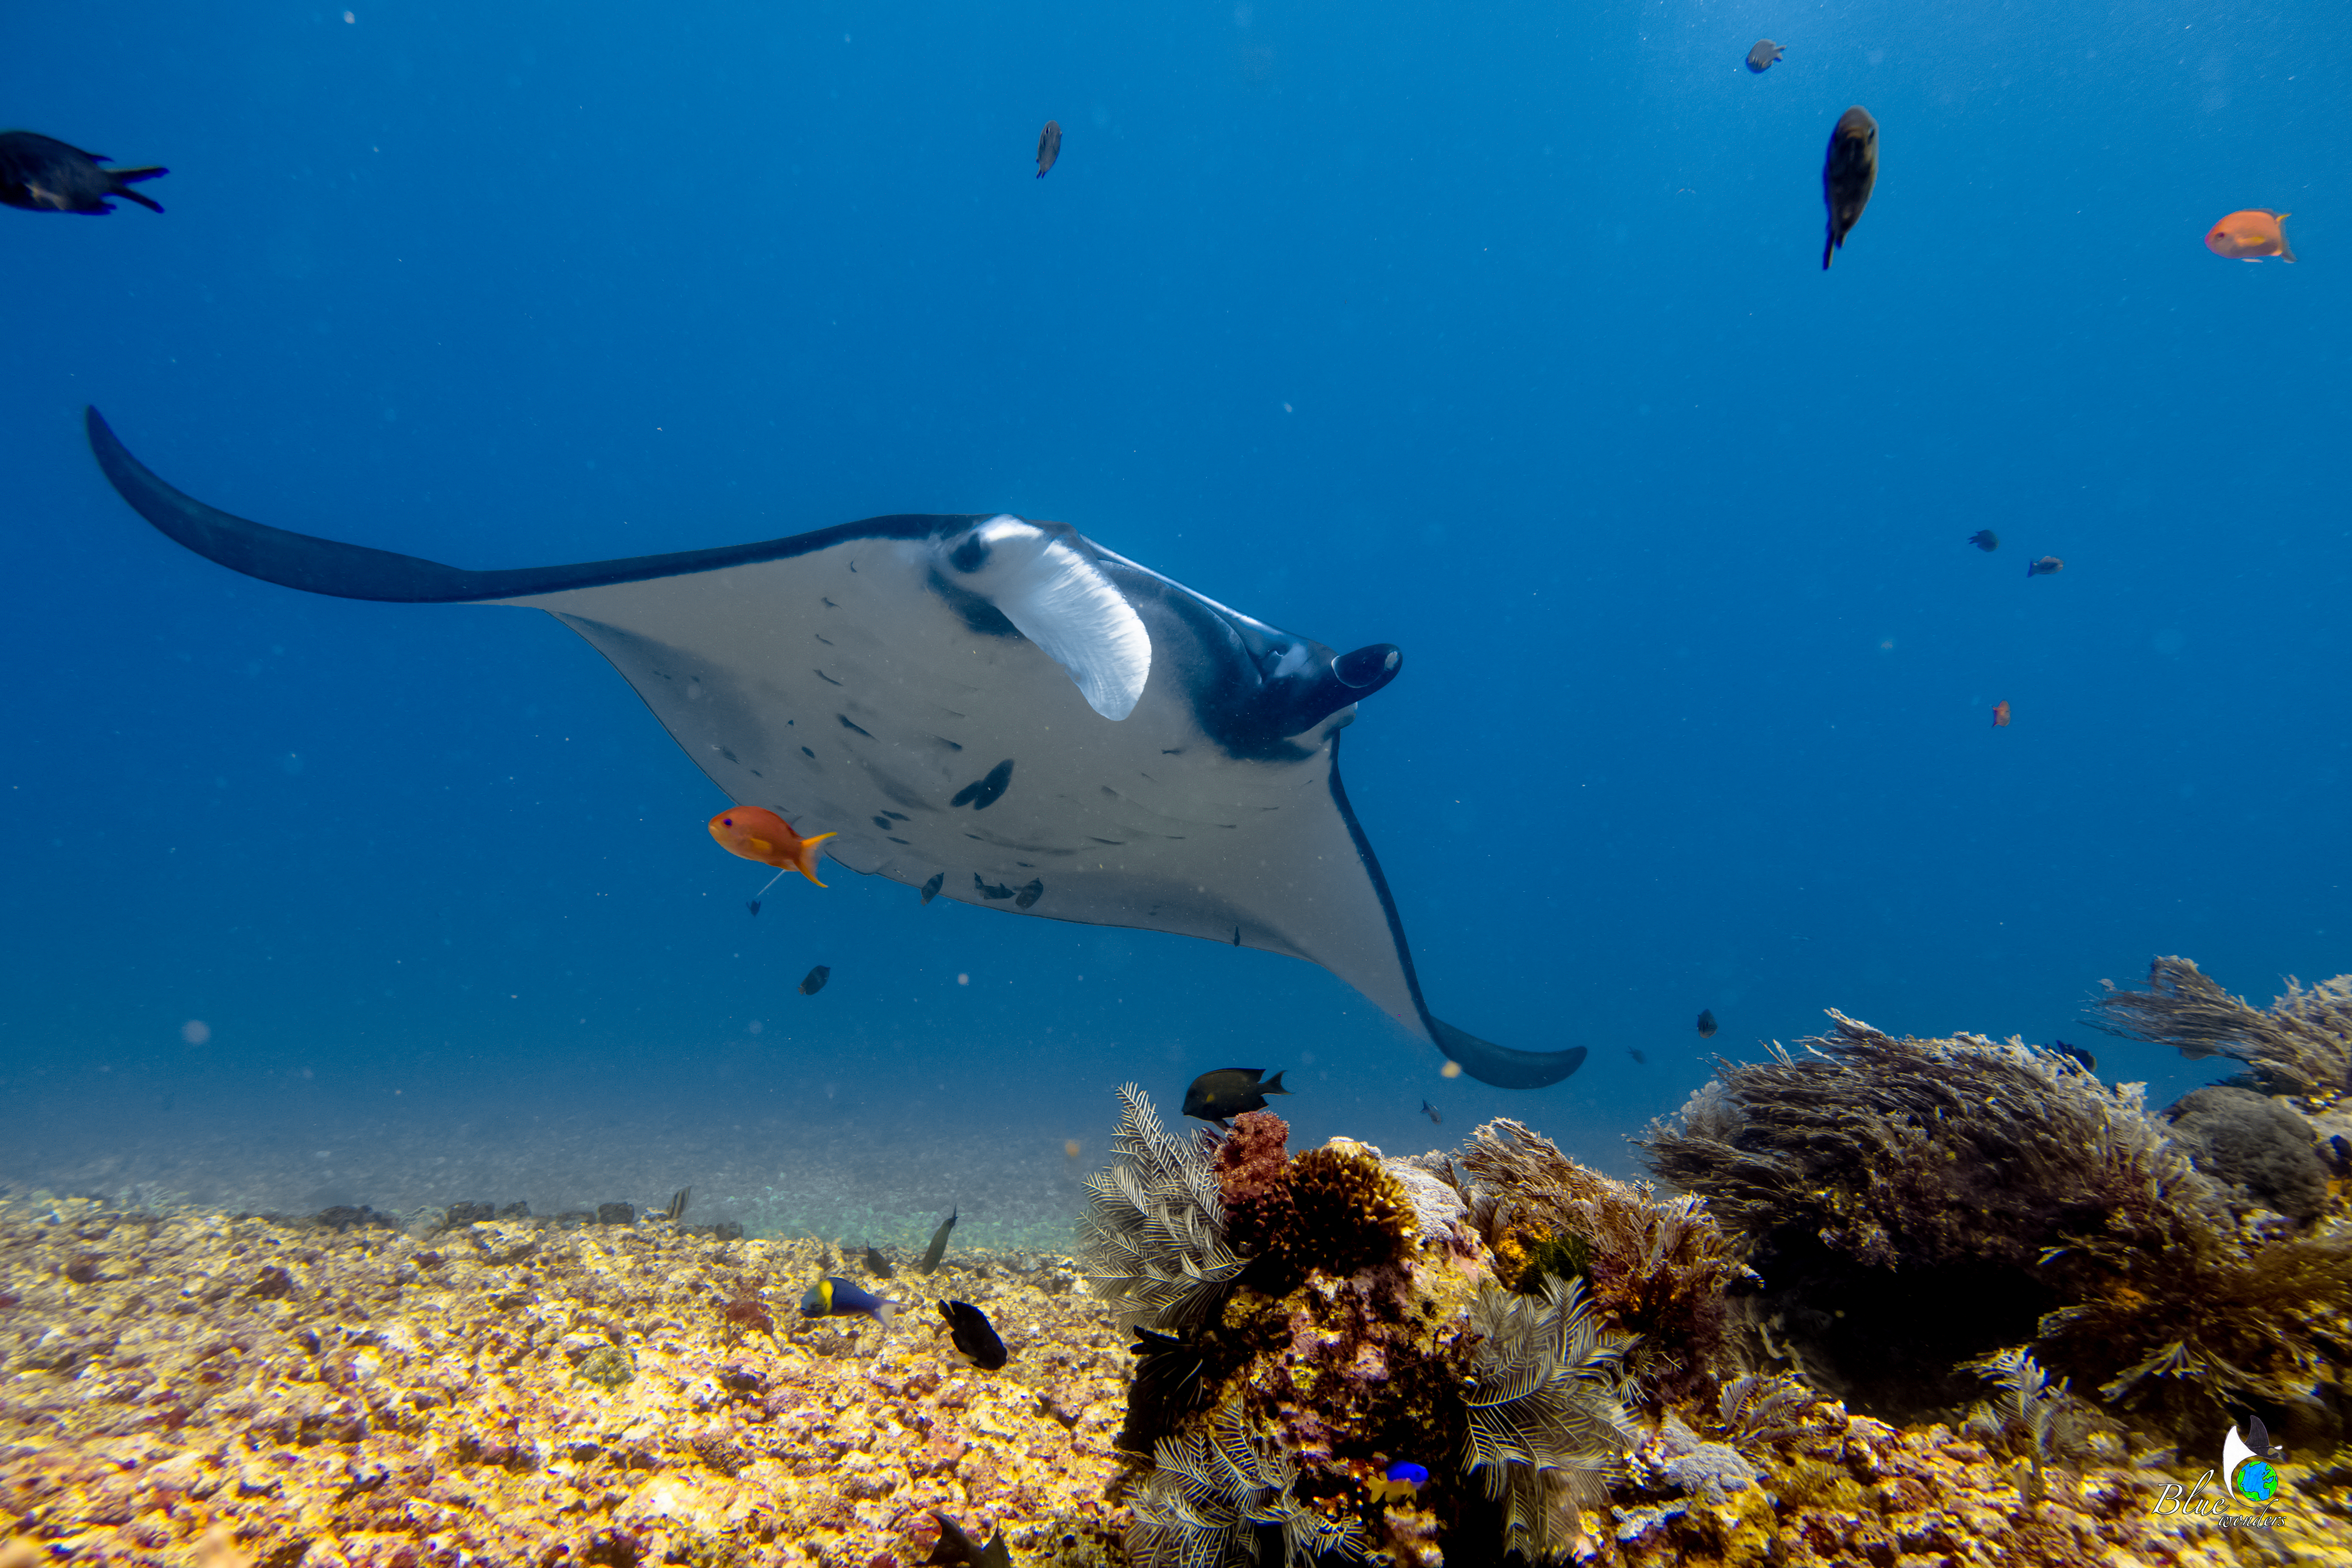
(910, 845)
(827, 678)
(982, 794)
(730, 755)
(809, 755)
(900, 816)
(847, 725)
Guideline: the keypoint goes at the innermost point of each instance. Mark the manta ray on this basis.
(987, 708)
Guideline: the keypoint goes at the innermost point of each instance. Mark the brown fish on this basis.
(1848, 174)
(1760, 58)
(2000, 714)
(1049, 146)
(1706, 1023)
(2045, 567)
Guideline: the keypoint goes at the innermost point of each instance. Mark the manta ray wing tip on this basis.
(1501, 1066)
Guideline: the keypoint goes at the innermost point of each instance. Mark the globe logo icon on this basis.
(2256, 1480)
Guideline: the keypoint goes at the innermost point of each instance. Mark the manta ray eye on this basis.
(969, 556)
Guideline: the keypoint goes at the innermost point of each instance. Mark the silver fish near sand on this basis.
(1037, 725)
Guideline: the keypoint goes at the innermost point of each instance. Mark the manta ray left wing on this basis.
(999, 704)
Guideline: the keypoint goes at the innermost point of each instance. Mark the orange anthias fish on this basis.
(2250, 235)
(758, 834)
(2001, 715)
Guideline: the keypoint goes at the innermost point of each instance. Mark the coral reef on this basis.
(1211, 1493)
(2257, 1144)
(1656, 1269)
(1336, 1208)
(1917, 1205)
(1153, 1238)
(2031, 1415)
(1546, 1424)
(2301, 1044)
(233, 1392)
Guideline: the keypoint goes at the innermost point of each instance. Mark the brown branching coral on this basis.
(2301, 1044)
(1912, 1204)
(2187, 1322)
(1904, 1151)
(1655, 1267)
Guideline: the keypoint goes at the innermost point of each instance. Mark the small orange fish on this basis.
(2250, 235)
(2001, 715)
(758, 834)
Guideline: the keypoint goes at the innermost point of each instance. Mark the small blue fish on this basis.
(1400, 1482)
(832, 1297)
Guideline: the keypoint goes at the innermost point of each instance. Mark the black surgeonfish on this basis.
(1229, 1091)
(938, 1247)
(932, 889)
(41, 173)
(1431, 1112)
(1848, 172)
(1986, 540)
(974, 1335)
(1760, 58)
(878, 1264)
(1049, 146)
(2045, 567)
(1706, 1023)
(834, 1297)
(2089, 1062)
(814, 981)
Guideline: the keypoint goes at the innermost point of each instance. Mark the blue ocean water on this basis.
(1498, 332)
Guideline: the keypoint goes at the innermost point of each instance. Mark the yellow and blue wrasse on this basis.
(1400, 1482)
(834, 1297)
